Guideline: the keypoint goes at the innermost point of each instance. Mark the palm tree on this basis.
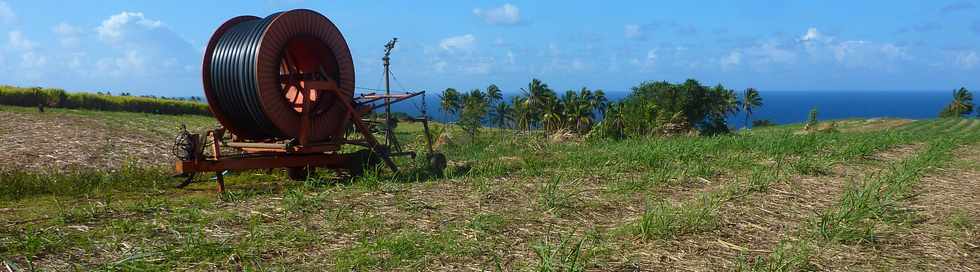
(600, 102)
(727, 102)
(477, 100)
(494, 94)
(551, 113)
(521, 112)
(477, 96)
(750, 100)
(569, 107)
(449, 101)
(536, 94)
(586, 94)
(614, 124)
(732, 104)
(579, 109)
(962, 104)
(720, 103)
(474, 111)
(503, 115)
(963, 100)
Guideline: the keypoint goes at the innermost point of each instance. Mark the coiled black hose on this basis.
(233, 78)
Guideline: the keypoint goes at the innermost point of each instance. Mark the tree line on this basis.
(58, 98)
(652, 108)
(537, 107)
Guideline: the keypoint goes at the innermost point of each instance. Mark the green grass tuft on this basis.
(664, 220)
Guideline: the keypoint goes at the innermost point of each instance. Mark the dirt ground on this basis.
(56, 142)
(943, 237)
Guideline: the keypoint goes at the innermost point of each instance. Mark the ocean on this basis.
(785, 107)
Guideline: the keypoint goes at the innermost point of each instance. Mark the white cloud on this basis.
(458, 54)
(114, 28)
(771, 52)
(733, 59)
(461, 43)
(632, 31)
(815, 42)
(957, 6)
(967, 60)
(68, 35)
(649, 61)
(848, 48)
(652, 55)
(7, 14)
(823, 48)
(813, 49)
(123, 51)
(560, 58)
(141, 46)
(507, 14)
(17, 41)
(479, 66)
(132, 62)
(75, 61)
(893, 51)
(867, 54)
(760, 56)
(31, 60)
(812, 34)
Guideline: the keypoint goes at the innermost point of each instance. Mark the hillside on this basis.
(90, 190)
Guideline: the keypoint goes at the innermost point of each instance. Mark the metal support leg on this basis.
(221, 181)
(216, 148)
(355, 117)
(187, 181)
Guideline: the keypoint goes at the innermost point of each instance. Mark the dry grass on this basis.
(521, 205)
(873, 124)
(67, 139)
(753, 225)
(939, 230)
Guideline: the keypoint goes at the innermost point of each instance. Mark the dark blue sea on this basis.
(784, 107)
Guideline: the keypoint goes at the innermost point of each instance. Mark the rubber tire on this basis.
(437, 163)
(360, 160)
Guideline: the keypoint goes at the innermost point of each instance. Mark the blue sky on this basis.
(155, 47)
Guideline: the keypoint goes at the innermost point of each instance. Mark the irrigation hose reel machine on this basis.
(282, 88)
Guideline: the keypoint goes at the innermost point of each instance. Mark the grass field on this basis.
(879, 195)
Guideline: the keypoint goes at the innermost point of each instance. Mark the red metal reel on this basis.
(304, 42)
(304, 56)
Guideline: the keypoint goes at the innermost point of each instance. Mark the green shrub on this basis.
(664, 108)
(664, 220)
(762, 123)
(811, 120)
